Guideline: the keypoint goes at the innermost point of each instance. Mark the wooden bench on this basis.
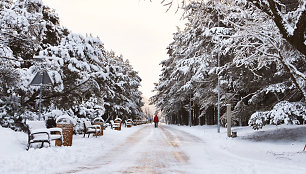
(129, 123)
(39, 133)
(115, 125)
(91, 129)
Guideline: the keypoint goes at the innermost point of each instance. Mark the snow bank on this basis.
(14, 158)
(274, 149)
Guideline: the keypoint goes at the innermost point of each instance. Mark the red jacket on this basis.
(156, 118)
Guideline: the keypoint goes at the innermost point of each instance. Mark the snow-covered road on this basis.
(148, 150)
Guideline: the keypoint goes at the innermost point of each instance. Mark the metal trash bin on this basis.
(129, 123)
(234, 134)
(66, 123)
(99, 121)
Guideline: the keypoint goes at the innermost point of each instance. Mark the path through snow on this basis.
(171, 150)
(149, 150)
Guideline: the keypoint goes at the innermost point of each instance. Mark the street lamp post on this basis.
(190, 110)
(218, 84)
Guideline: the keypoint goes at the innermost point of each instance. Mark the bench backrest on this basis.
(118, 119)
(87, 124)
(36, 125)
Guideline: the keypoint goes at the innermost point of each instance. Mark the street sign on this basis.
(41, 78)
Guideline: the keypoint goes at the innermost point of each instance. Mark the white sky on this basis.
(140, 30)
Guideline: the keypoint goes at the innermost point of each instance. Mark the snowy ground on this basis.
(168, 149)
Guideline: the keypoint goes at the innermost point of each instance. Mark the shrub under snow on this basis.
(283, 112)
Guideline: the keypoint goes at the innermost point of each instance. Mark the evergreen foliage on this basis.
(258, 67)
(88, 81)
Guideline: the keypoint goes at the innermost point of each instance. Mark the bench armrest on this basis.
(97, 126)
(56, 129)
(94, 127)
(116, 125)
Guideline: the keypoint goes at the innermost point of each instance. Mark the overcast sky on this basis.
(140, 30)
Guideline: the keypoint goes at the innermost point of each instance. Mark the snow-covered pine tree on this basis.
(79, 68)
(288, 15)
(244, 63)
(123, 97)
(21, 24)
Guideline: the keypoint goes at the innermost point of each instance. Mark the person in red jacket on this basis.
(156, 121)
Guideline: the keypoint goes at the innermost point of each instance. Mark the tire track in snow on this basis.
(174, 142)
(163, 160)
